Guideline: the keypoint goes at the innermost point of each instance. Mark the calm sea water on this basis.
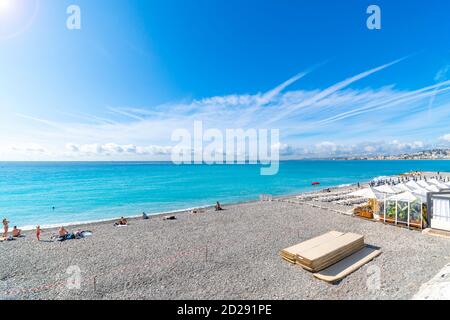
(83, 192)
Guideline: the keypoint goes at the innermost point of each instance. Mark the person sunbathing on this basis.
(62, 232)
(122, 222)
(16, 233)
(63, 235)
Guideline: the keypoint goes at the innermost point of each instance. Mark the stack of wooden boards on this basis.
(326, 250)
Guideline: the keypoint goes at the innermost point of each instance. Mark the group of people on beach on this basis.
(15, 233)
(63, 234)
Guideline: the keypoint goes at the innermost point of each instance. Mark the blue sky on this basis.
(137, 70)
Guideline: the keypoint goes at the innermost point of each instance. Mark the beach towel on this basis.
(69, 236)
(10, 238)
(85, 234)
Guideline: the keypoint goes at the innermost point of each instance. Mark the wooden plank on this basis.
(327, 248)
(328, 253)
(348, 265)
(309, 244)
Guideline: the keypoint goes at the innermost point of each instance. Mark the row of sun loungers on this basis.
(328, 197)
(352, 202)
(340, 198)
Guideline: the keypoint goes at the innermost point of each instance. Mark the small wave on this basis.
(80, 223)
(344, 185)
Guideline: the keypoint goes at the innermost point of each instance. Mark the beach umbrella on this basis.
(364, 193)
(413, 185)
(438, 184)
(401, 188)
(385, 189)
(405, 197)
(423, 184)
(433, 189)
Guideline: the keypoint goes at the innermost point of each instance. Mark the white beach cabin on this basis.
(441, 212)
(404, 208)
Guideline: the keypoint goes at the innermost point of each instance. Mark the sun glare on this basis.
(5, 5)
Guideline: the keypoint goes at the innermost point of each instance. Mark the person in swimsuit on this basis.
(62, 232)
(38, 233)
(218, 206)
(122, 222)
(16, 233)
(5, 227)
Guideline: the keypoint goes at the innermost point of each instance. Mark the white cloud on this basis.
(445, 138)
(32, 148)
(116, 149)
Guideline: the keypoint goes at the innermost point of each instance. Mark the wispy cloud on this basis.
(333, 89)
(334, 120)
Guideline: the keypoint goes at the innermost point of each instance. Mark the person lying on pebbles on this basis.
(122, 222)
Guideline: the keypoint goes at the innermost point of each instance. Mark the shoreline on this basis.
(29, 228)
(309, 189)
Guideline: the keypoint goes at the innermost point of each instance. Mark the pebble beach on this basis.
(232, 254)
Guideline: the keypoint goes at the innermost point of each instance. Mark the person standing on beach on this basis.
(5, 227)
(38, 233)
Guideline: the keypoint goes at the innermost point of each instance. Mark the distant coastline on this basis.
(435, 154)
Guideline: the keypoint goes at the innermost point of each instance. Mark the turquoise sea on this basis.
(82, 192)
